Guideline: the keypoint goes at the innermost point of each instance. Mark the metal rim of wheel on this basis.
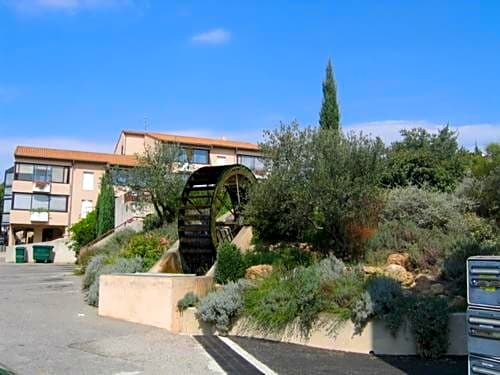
(211, 212)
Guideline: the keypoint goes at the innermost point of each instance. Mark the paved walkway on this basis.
(45, 328)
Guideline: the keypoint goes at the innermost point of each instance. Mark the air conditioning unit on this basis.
(483, 330)
(483, 281)
(483, 366)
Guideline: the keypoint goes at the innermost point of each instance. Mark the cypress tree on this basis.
(329, 117)
(105, 207)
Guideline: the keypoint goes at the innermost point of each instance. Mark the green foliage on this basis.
(105, 206)
(425, 159)
(386, 295)
(230, 265)
(83, 231)
(155, 180)
(151, 222)
(428, 318)
(121, 265)
(109, 247)
(189, 300)
(295, 298)
(454, 268)
(329, 117)
(223, 306)
(92, 270)
(427, 209)
(321, 184)
(148, 246)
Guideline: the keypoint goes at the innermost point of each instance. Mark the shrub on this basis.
(388, 301)
(427, 209)
(319, 183)
(343, 292)
(362, 312)
(230, 265)
(189, 300)
(151, 222)
(121, 265)
(260, 255)
(83, 231)
(429, 323)
(455, 265)
(92, 270)
(290, 257)
(330, 268)
(149, 246)
(223, 306)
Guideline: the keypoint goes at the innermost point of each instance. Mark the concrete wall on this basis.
(149, 299)
(61, 252)
(375, 338)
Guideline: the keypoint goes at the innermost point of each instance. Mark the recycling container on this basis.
(20, 254)
(42, 253)
(483, 365)
(483, 330)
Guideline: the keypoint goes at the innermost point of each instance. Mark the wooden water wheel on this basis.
(211, 212)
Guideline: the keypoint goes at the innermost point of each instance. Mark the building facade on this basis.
(48, 190)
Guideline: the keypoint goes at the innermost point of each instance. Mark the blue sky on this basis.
(73, 73)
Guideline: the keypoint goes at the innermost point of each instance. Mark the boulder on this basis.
(400, 274)
(423, 283)
(372, 270)
(458, 302)
(401, 259)
(258, 272)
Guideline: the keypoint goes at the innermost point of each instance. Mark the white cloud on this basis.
(468, 135)
(71, 6)
(215, 36)
(8, 145)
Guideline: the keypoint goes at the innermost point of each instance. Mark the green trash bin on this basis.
(42, 253)
(20, 254)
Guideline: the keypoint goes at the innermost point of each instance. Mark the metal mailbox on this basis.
(483, 366)
(483, 281)
(483, 330)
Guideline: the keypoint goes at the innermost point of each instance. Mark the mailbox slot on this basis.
(483, 366)
(483, 330)
(483, 286)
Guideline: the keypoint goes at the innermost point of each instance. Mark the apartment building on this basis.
(48, 190)
(197, 151)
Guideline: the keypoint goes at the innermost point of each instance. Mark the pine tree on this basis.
(105, 207)
(329, 117)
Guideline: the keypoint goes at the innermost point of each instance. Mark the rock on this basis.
(258, 272)
(371, 270)
(437, 289)
(458, 302)
(423, 283)
(401, 259)
(400, 274)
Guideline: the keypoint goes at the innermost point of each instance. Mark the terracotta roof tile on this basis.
(197, 140)
(94, 157)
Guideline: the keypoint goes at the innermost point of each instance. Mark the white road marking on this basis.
(247, 356)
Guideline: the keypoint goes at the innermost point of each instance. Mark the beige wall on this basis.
(228, 154)
(27, 187)
(24, 217)
(77, 192)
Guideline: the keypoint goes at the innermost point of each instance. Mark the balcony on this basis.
(41, 187)
(39, 217)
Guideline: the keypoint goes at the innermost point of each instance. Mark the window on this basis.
(200, 156)
(193, 155)
(5, 219)
(88, 180)
(21, 201)
(24, 172)
(86, 208)
(6, 205)
(59, 203)
(60, 174)
(40, 202)
(9, 176)
(253, 162)
(41, 173)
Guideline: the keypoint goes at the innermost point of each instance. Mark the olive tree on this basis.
(321, 186)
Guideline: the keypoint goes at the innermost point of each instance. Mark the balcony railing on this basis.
(39, 216)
